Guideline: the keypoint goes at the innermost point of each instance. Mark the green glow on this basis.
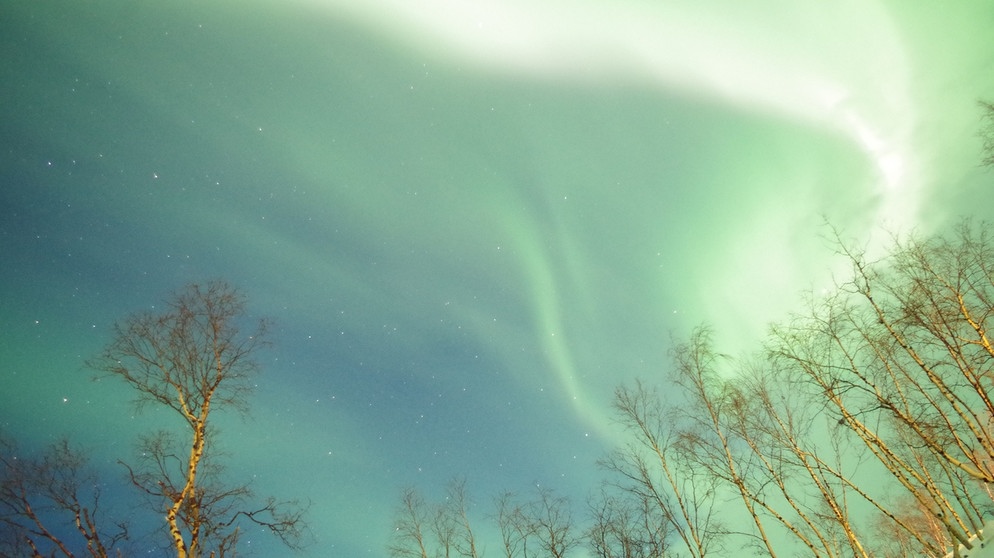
(470, 220)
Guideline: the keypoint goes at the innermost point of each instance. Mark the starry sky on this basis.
(469, 221)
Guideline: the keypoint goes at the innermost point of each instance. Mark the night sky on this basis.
(469, 220)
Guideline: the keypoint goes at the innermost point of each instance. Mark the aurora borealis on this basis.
(469, 221)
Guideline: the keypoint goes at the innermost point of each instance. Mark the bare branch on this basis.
(59, 482)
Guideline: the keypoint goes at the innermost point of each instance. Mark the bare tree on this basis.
(193, 358)
(897, 541)
(805, 468)
(422, 529)
(551, 519)
(758, 433)
(903, 357)
(409, 538)
(456, 502)
(543, 526)
(627, 524)
(657, 480)
(57, 483)
(710, 439)
(870, 411)
(740, 434)
(513, 524)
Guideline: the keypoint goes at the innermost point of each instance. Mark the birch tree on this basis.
(193, 359)
(423, 529)
(627, 524)
(657, 482)
(50, 504)
(903, 357)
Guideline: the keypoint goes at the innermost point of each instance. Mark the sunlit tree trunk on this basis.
(777, 426)
(192, 358)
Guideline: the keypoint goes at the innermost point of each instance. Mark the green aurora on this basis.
(469, 221)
